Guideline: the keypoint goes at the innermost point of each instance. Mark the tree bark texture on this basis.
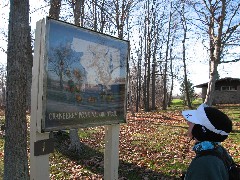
(15, 148)
(164, 105)
(55, 7)
(78, 11)
(184, 26)
(29, 71)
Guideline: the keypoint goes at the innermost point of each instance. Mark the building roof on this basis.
(219, 80)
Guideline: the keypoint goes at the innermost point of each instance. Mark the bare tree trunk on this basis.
(185, 73)
(54, 11)
(154, 84)
(82, 12)
(76, 4)
(211, 84)
(138, 80)
(164, 107)
(145, 66)
(78, 11)
(94, 6)
(172, 77)
(154, 62)
(102, 18)
(148, 59)
(75, 145)
(215, 50)
(148, 42)
(184, 25)
(122, 15)
(15, 147)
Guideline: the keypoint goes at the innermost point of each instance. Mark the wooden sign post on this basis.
(111, 153)
(39, 165)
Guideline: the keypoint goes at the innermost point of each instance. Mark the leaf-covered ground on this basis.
(152, 146)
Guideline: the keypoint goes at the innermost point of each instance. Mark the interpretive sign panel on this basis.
(84, 77)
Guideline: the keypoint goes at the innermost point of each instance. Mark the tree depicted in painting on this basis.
(60, 60)
(79, 79)
(74, 84)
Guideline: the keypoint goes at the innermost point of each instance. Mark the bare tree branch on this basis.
(231, 61)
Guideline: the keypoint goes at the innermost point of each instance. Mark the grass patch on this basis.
(232, 110)
(178, 104)
(85, 134)
(197, 102)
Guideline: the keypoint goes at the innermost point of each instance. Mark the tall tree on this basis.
(171, 73)
(151, 40)
(15, 147)
(147, 55)
(221, 22)
(153, 36)
(78, 11)
(155, 28)
(164, 106)
(185, 29)
(122, 10)
(138, 88)
(190, 91)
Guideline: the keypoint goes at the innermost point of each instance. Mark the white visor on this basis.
(199, 116)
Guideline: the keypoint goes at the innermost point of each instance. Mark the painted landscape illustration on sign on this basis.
(86, 77)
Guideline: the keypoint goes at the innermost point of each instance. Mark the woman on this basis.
(208, 127)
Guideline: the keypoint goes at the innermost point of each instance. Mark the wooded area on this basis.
(159, 33)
